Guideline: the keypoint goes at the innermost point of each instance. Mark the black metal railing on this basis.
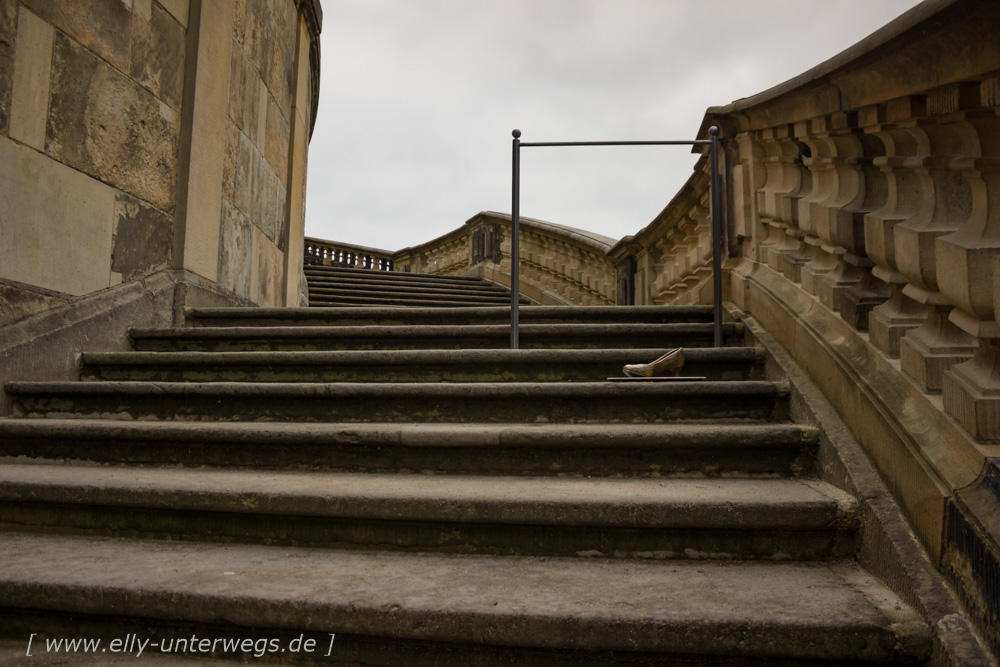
(515, 255)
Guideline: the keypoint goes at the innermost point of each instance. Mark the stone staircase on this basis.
(395, 478)
(334, 286)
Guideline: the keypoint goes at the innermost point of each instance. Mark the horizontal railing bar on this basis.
(695, 142)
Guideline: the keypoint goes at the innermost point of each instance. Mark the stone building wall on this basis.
(152, 158)
(140, 136)
(90, 118)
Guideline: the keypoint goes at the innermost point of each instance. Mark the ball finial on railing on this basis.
(516, 134)
(714, 130)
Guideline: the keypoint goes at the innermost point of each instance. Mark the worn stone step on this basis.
(726, 363)
(677, 449)
(429, 301)
(450, 402)
(389, 276)
(418, 294)
(625, 518)
(477, 336)
(230, 317)
(391, 608)
(406, 285)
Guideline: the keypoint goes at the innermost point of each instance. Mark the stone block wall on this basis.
(139, 136)
(90, 119)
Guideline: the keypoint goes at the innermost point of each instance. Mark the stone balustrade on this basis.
(329, 253)
(882, 213)
(862, 212)
(559, 265)
(670, 260)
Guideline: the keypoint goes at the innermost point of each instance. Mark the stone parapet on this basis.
(668, 262)
(863, 196)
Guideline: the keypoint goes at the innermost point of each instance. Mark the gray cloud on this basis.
(418, 99)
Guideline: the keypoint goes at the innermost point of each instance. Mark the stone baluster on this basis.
(969, 273)
(748, 176)
(890, 320)
(662, 287)
(946, 204)
(783, 180)
(857, 301)
(838, 192)
(816, 260)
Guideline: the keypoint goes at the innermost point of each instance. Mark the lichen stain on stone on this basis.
(104, 124)
(157, 57)
(101, 26)
(143, 238)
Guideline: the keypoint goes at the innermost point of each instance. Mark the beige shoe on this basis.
(671, 362)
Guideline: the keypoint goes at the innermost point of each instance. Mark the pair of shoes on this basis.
(672, 361)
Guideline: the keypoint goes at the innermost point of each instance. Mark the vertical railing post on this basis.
(717, 240)
(515, 240)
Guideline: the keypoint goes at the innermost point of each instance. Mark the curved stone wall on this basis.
(861, 207)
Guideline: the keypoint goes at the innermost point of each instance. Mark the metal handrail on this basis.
(515, 254)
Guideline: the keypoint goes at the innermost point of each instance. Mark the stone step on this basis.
(230, 317)
(430, 301)
(678, 449)
(313, 270)
(420, 337)
(409, 285)
(416, 294)
(452, 402)
(393, 608)
(623, 518)
(726, 363)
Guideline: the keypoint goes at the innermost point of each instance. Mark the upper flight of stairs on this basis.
(334, 286)
(396, 477)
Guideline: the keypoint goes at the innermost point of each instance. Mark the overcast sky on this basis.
(418, 99)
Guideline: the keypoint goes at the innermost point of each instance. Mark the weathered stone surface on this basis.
(267, 34)
(265, 280)
(8, 30)
(230, 150)
(234, 255)
(30, 90)
(272, 205)
(276, 140)
(244, 92)
(20, 301)
(102, 123)
(178, 8)
(143, 238)
(246, 174)
(103, 26)
(258, 191)
(55, 223)
(157, 58)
